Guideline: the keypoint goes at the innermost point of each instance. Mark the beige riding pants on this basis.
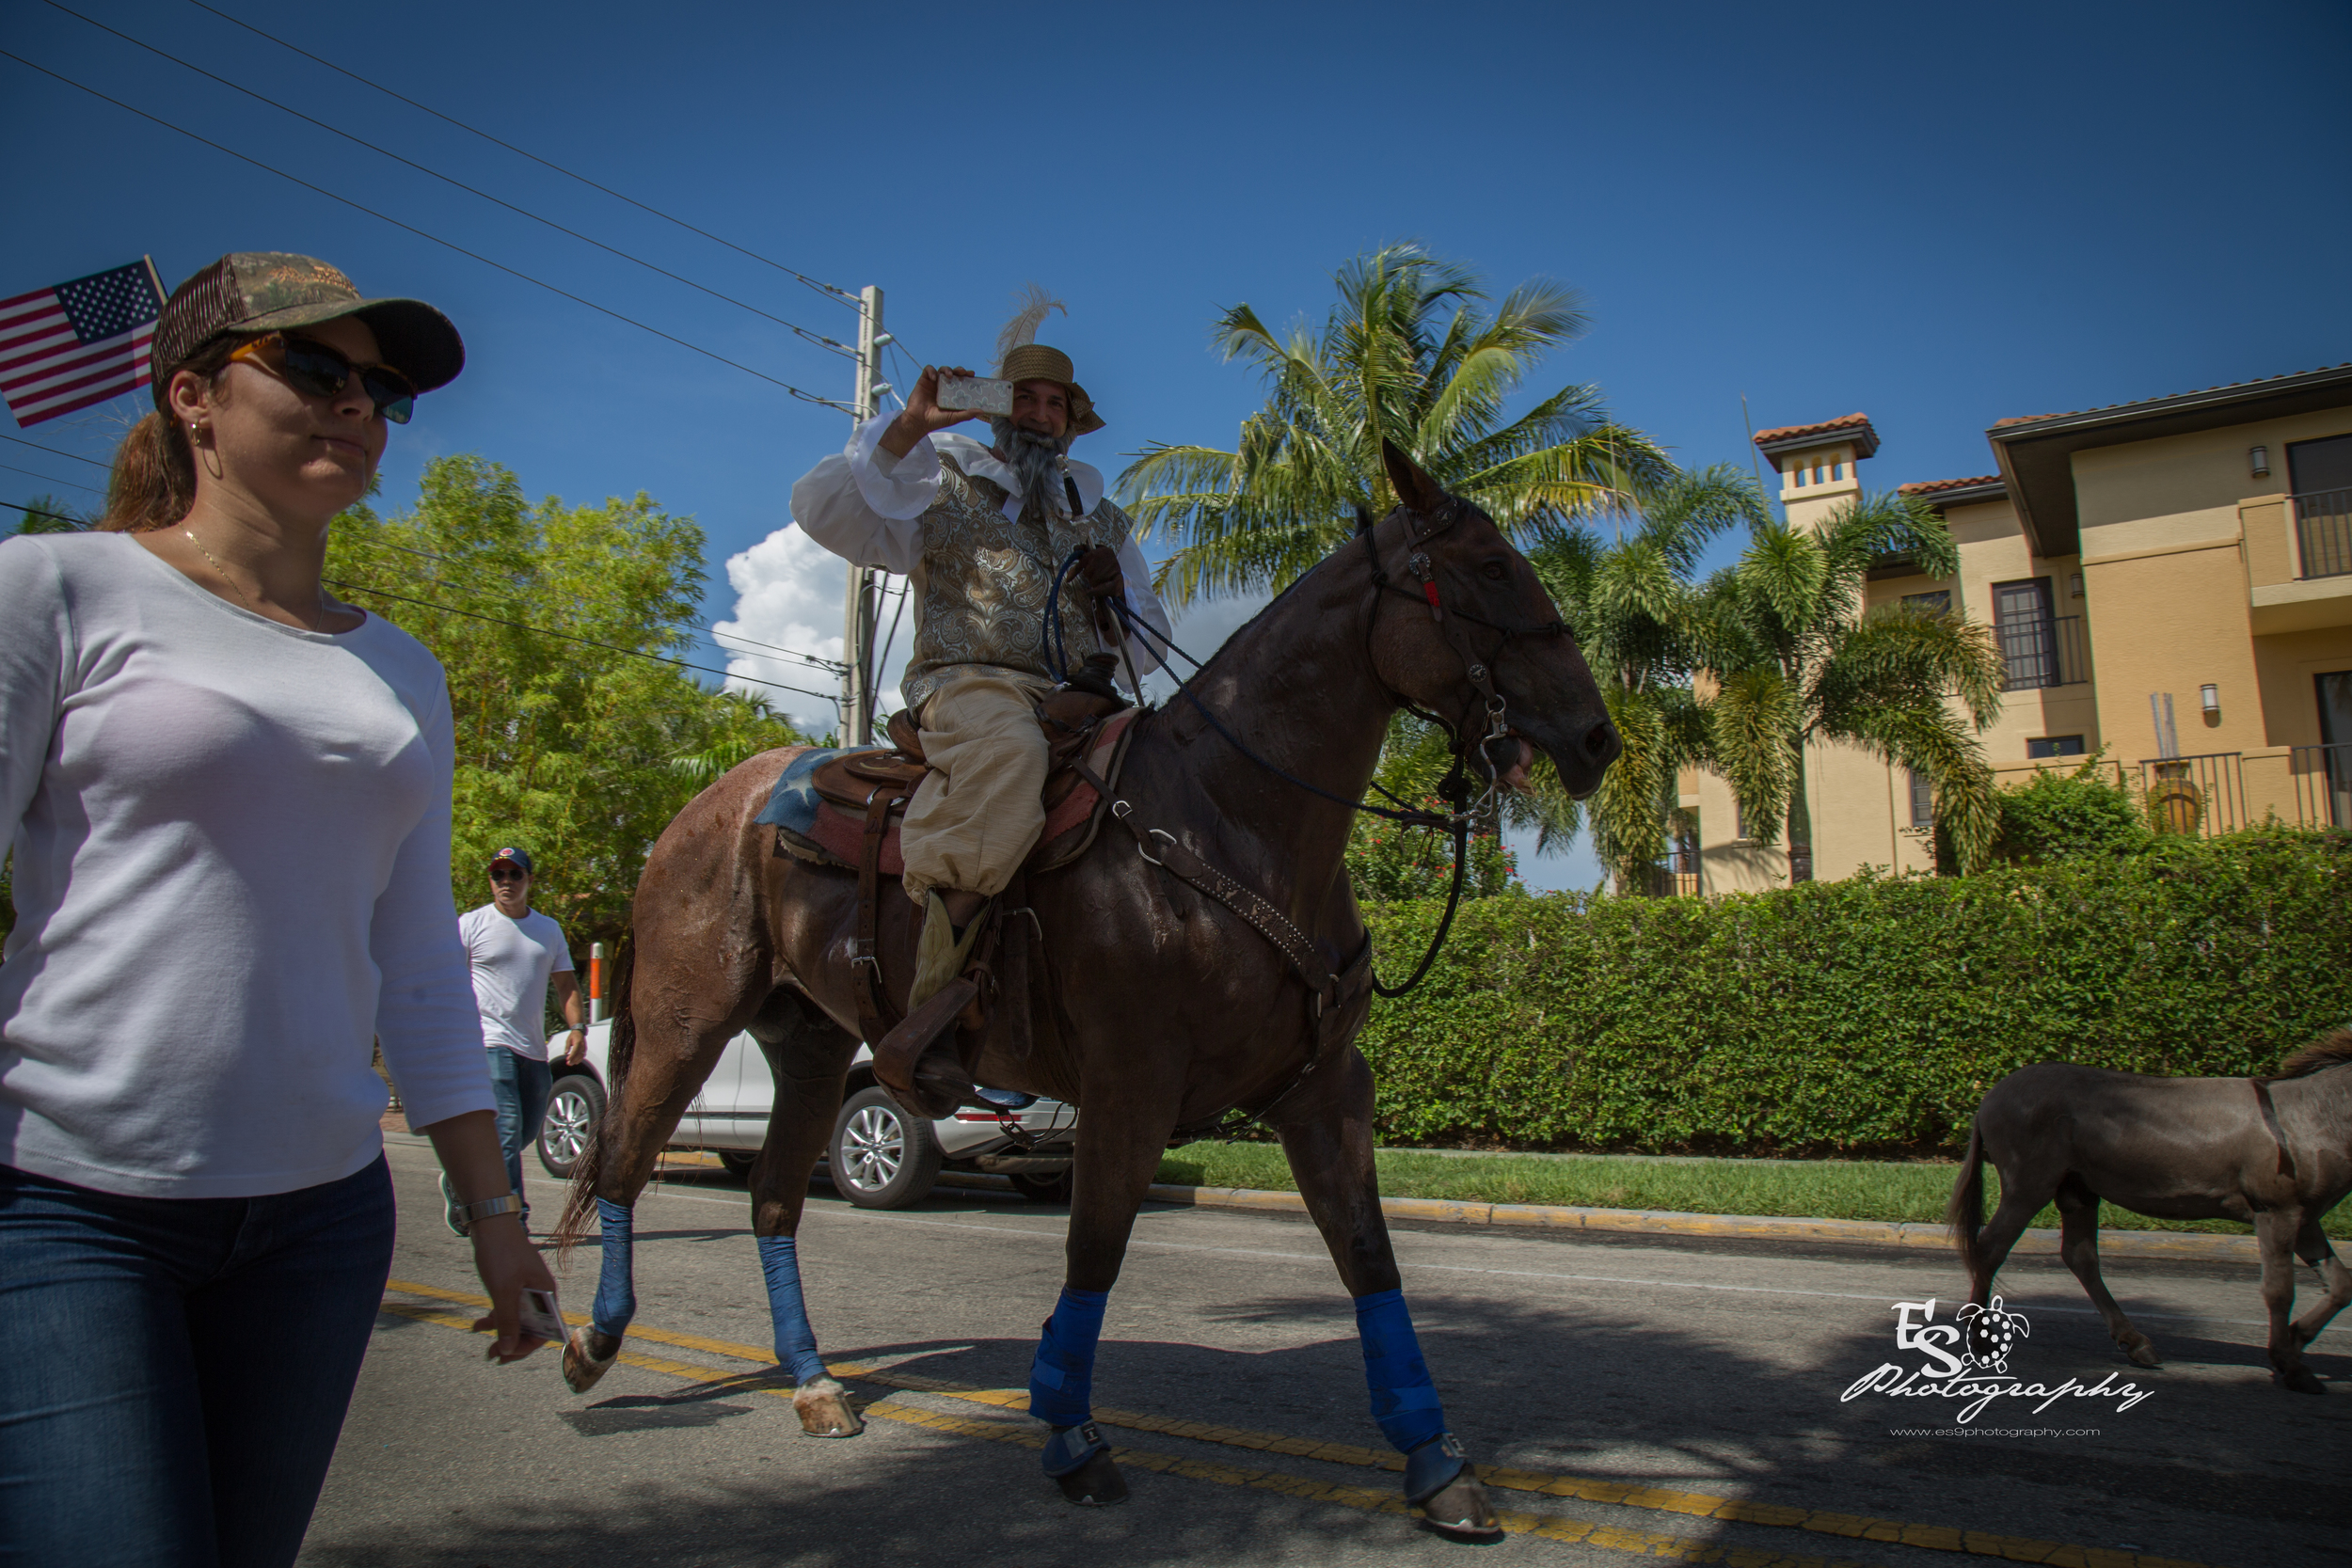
(978, 818)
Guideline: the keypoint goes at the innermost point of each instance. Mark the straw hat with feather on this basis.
(1020, 357)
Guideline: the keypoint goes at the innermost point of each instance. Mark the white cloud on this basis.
(787, 595)
(1200, 628)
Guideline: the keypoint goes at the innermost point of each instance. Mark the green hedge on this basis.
(1863, 1016)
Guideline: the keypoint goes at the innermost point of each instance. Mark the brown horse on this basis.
(2276, 1152)
(1162, 1008)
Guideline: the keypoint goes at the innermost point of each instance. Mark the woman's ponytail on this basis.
(154, 476)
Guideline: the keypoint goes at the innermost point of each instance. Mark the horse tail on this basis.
(580, 1208)
(1964, 1215)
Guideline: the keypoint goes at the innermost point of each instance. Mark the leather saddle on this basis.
(991, 1000)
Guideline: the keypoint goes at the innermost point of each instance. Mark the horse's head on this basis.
(1497, 656)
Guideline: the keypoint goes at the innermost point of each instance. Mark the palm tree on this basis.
(1409, 354)
(1633, 605)
(1794, 660)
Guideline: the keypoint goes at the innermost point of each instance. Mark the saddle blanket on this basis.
(811, 822)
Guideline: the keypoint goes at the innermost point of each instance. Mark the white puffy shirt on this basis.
(231, 874)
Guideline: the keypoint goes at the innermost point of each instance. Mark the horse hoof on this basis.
(1097, 1484)
(823, 1407)
(1462, 1511)
(582, 1367)
(2141, 1350)
(2299, 1381)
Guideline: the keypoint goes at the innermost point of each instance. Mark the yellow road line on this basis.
(1707, 1505)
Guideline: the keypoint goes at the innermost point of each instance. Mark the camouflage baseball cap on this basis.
(269, 290)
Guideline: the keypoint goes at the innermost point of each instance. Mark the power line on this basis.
(58, 451)
(68, 483)
(563, 636)
(451, 244)
(831, 664)
(821, 288)
(817, 337)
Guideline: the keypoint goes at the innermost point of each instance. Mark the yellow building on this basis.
(2171, 580)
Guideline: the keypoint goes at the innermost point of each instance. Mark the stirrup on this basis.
(922, 1077)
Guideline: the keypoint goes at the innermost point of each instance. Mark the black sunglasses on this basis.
(507, 874)
(312, 366)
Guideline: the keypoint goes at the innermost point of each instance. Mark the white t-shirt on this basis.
(232, 873)
(512, 961)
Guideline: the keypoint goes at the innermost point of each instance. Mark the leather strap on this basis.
(876, 1017)
(1331, 999)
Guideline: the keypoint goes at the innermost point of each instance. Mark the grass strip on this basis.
(1808, 1189)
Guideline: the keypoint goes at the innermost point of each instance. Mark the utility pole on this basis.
(858, 605)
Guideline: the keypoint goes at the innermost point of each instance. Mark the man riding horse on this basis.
(982, 532)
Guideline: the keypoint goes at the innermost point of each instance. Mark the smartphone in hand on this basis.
(982, 393)
(541, 1318)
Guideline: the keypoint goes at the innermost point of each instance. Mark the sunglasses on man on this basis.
(313, 368)
(508, 874)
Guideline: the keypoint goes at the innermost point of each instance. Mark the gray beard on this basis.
(1036, 461)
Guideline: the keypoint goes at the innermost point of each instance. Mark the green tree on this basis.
(1634, 606)
(2086, 814)
(1794, 660)
(48, 514)
(1407, 354)
(565, 743)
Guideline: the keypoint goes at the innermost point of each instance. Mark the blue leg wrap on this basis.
(1403, 1401)
(1069, 1447)
(616, 1288)
(1061, 1379)
(796, 1341)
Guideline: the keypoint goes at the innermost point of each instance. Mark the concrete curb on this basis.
(2112, 1244)
(2177, 1245)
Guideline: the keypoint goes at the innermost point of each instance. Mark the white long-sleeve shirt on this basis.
(867, 507)
(231, 873)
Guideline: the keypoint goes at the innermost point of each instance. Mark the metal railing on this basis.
(2323, 532)
(2201, 796)
(2323, 785)
(2052, 651)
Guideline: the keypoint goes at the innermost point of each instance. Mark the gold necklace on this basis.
(318, 624)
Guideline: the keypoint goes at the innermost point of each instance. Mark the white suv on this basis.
(879, 1158)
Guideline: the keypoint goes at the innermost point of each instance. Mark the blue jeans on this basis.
(174, 1371)
(521, 1086)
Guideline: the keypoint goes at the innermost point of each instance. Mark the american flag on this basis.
(78, 344)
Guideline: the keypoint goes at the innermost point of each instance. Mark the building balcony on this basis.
(2221, 792)
(2044, 653)
(2298, 559)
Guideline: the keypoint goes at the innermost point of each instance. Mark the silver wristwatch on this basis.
(505, 1203)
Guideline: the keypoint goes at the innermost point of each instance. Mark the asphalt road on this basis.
(1684, 1373)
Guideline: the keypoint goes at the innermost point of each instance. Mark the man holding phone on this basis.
(982, 530)
(515, 952)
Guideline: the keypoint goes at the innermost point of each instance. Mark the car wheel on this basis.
(739, 1162)
(575, 1105)
(880, 1157)
(1042, 1189)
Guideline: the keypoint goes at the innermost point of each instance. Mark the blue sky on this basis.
(1940, 216)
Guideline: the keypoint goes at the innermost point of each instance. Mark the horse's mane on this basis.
(2326, 1053)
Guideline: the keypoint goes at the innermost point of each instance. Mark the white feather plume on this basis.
(1036, 305)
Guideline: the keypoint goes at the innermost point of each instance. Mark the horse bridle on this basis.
(1420, 530)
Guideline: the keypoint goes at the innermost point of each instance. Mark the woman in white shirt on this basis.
(229, 801)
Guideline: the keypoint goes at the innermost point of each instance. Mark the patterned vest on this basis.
(985, 578)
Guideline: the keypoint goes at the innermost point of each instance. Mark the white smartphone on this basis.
(541, 1317)
(984, 393)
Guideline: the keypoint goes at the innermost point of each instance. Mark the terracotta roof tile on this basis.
(2227, 386)
(1827, 427)
(1934, 486)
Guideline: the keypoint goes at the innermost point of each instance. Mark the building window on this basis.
(1739, 820)
(1936, 601)
(2054, 746)
(1836, 470)
(2027, 632)
(1922, 800)
(1795, 477)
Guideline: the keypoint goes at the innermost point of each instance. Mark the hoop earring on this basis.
(214, 470)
